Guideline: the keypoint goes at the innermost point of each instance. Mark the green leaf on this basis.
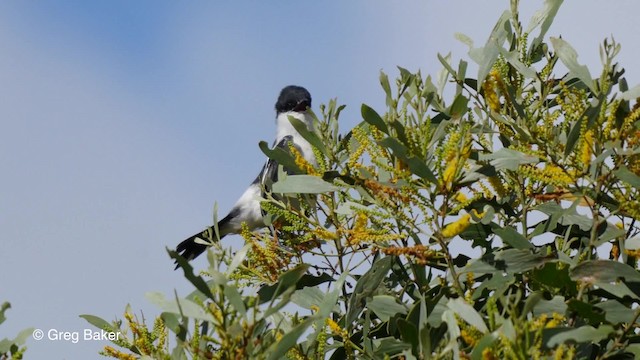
(303, 184)
(282, 156)
(4, 307)
(98, 322)
(487, 341)
(238, 258)
(603, 271)
(569, 58)
(466, 312)
(384, 82)
(459, 107)
(285, 281)
(389, 347)
(385, 306)
(289, 340)
(486, 56)
(627, 176)
(615, 312)
(371, 116)
(574, 135)
(581, 335)
(197, 281)
(516, 240)
(513, 58)
(416, 165)
(183, 307)
(631, 94)
(366, 286)
(235, 299)
(543, 18)
(556, 305)
(508, 159)
(512, 261)
(308, 297)
(308, 135)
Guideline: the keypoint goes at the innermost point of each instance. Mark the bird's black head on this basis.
(293, 98)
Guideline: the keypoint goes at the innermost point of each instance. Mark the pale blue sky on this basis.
(122, 122)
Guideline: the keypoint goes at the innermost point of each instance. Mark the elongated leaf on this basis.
(627, 176)
(389, 347)
(604, 271)
(466, 312)
(303, 184)
(4, 307)
(308, 135)
(510, 236)
(385, 306)
(280, 155)
(543, 18)
(416, 165)
(615, 312)
(508, 159)
(581, 335)
(366, 286)
(371, 116)
(197, 281)
(487, 55)
(631, 94)
(308, 297)
(238, 258)
(569, 58)
(235, 299)
(485, 342)
(289, 340)
(511, 261)
(98, 322)
(286, 281)
(513, 58)
(185, 307)
(384, 82)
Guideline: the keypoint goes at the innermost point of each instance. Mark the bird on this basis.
(294, 101)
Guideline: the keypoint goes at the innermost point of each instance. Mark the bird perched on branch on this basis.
(293, 101)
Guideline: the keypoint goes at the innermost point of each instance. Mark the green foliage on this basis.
(12, 348)
(371, 256)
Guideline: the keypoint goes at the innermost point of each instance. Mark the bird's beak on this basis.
(301, 106)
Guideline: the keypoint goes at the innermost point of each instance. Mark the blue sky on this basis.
(116, 116)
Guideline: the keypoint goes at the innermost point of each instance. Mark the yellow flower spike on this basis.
(487, 354)
(587, 149)
(301, 162)
(460, 197)
(490, 94)
(497, 185)
(323, 233)
(109, 351)
(457, 227)
(449, 173)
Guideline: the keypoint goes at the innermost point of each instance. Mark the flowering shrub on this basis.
(370, 254)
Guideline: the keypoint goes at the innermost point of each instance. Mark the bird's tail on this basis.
(190, 248)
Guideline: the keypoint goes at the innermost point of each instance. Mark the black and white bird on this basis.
(293, 101)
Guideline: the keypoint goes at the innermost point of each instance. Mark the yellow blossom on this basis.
(587, 149)
(449, 174)
(456, 227)
(301, 162)
(490, 94)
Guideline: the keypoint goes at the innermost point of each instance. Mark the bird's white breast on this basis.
(285, 128)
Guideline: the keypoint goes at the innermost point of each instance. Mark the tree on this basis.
(539, 172)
